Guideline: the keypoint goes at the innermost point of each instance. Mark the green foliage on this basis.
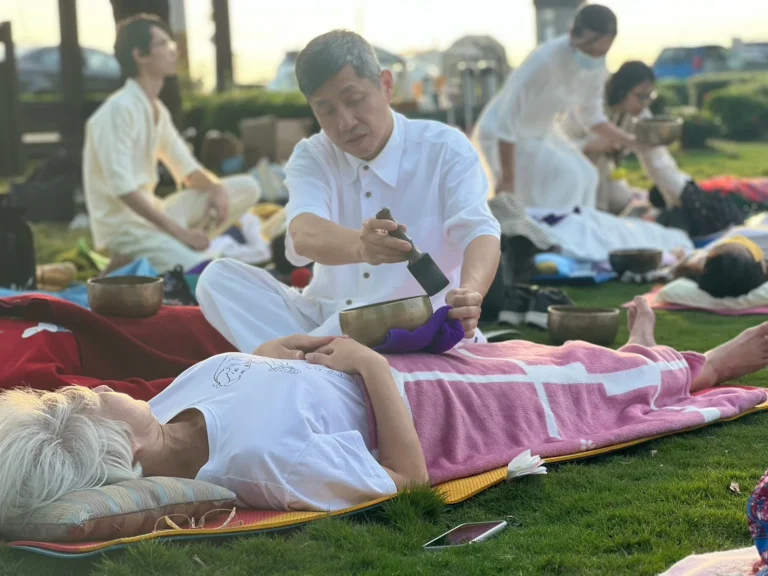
(701, 87)
(699, 127)
(743, 110)
(671, 94)
(225, 111)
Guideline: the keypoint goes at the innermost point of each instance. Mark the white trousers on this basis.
(188, 208)
(590, 235)
(249, 307)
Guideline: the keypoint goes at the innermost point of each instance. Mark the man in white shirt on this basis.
(125, 138)
(365, 158)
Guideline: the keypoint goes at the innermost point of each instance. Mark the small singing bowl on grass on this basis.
(369, 324)
(638, 261)
(126, 296)
(659, 130)
(595, 325)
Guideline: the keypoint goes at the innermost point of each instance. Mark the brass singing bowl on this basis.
(126, 296)
(595, 325)
(369, 324)
(659, 131)
(639, 261)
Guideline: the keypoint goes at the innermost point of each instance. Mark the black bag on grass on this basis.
(17, 248)
(48, 195)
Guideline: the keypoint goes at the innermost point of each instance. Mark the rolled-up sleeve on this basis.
(309, 192)
(112, 138)
(466, 214)
(173, 150)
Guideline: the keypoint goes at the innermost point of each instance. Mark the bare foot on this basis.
(745, 354)
(642, 323)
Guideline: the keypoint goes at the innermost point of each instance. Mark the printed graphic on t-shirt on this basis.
(330, 372)
(230, 371)
(233, 367)
(282, 367)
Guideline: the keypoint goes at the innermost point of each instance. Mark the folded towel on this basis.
(437, 336)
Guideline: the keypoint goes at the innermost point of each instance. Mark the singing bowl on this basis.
(126, 296)
(369, 324)
(595, 325)
(637, 261)
(659, 131)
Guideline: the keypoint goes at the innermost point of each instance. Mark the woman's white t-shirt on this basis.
(282, 434)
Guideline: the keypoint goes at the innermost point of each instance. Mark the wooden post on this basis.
(223, 40)
(11, 150)
(72, 85)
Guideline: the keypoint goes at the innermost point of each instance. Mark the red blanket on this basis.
(751, 189)
(138, 357)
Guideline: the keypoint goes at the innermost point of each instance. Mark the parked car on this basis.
(39, 70)
(683, 62)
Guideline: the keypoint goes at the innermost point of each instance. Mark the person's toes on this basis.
(762, 329)
(643, 306)
(631, 317)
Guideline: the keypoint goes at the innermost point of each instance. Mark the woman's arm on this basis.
(400, 451)
(691, 266)
(399, 447)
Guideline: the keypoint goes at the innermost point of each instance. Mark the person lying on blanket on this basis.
(734, 265)
(325, 423)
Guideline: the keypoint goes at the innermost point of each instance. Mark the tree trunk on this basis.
(72, 85)
(170, 94)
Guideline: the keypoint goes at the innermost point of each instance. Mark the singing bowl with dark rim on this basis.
(659, 130)
(595, 325)
(126, 296)
(369, 324)
(638, 261)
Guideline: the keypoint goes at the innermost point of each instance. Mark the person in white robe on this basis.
(517, 134)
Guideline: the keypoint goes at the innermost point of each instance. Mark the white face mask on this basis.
(587, 62)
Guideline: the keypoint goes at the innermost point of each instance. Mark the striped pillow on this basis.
(119, 510)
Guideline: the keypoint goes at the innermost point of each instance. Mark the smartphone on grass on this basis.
(469, 533)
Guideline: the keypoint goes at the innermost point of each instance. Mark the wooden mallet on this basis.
(420, 265)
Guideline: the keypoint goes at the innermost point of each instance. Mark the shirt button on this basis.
(366, 275)
(368, 194)
(365, 167)
(349, 302)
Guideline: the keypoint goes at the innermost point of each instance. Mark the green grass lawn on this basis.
(635, 512)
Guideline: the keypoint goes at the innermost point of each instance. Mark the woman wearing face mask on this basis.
(518, 134)
(628, 93)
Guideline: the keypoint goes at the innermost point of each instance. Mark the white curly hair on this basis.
(53, 443)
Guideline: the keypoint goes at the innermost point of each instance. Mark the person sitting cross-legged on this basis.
(366, 157)
(125, 138)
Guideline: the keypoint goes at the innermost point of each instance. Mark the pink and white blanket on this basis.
(479, 406)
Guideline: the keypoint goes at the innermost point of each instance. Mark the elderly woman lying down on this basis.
(290, 428)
